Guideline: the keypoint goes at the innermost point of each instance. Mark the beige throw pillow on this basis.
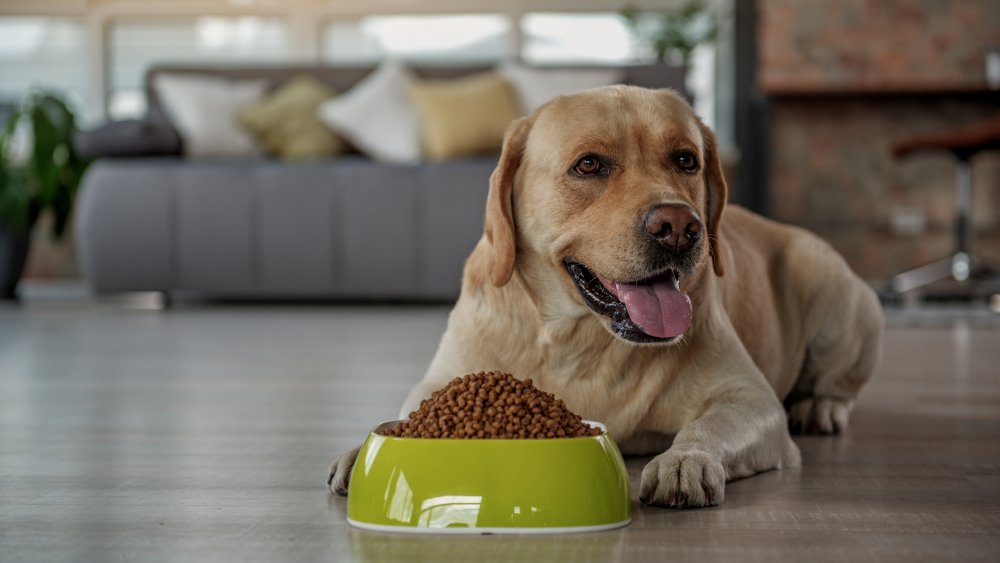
(286, 123)
(464, 116)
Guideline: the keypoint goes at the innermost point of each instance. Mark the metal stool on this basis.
(961, 266)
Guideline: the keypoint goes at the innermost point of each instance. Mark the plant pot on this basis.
(13, 254)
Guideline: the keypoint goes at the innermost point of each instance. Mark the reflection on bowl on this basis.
(488, 486)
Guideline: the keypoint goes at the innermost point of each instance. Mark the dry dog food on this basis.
(492, 405)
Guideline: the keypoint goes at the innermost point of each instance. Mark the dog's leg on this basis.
(840, 359)
(740, 433)
(436, 377)
(340, 469)
(420, 391)
(340, 472)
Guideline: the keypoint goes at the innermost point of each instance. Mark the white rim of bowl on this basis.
(489, 530)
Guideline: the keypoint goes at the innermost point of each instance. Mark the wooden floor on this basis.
(204, 433)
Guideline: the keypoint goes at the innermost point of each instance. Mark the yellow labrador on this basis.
(612, 273)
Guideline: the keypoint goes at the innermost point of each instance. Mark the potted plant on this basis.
(39, 172)
(672, 35)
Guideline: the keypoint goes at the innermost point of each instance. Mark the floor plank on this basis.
(204, 433)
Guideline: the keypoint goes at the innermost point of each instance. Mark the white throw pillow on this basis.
(204, 110)
(535, 86)
(377, 115)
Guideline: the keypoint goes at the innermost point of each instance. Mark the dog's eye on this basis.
(590, 165)
(686, 161)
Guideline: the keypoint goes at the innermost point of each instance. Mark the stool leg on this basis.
(918, 277)
(963, 223)
(959, 265)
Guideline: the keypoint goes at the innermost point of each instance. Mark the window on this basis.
(46, 52)
(136, 44)
(453, 38)
(606, 39)
(597, 38)
(64, 52)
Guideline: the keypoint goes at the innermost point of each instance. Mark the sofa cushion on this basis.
(286, 123)
(129, 138)
(464, 116)
(204, 109)
(536, 86)
(377, 117)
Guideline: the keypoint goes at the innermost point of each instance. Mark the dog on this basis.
(612, 272)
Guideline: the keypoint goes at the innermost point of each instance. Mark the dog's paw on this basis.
(683, 479)
(819, 415)
(340, 472)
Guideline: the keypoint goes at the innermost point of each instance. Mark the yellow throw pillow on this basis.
(285, 122)
(464, 116)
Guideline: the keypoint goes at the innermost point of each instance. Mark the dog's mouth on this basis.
(649, 310)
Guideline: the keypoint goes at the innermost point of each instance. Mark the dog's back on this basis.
(812, 326)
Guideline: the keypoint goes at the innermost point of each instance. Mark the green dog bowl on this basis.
(490, 486)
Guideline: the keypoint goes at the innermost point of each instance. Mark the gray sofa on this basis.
(344, 228)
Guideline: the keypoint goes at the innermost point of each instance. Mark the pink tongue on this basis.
(659, 309)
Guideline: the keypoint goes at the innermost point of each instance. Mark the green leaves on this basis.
(50, 175)
(15, 199)
(674, 33)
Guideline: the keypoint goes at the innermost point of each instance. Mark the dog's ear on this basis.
(499, 222)
(717, 192)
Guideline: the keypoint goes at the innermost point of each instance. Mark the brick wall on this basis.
(832, 172)
(874, 43)
(845, 81)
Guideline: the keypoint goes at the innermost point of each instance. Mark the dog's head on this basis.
(617, 192)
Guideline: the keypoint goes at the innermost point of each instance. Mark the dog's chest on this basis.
(620, 386)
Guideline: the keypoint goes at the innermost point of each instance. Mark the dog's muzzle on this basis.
(652, 310)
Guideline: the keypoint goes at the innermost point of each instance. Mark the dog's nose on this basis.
(673, 225)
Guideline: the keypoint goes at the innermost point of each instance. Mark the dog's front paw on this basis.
(819, 415)
(340, 472)
(683, 479)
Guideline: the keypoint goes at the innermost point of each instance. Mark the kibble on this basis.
(492, 405)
